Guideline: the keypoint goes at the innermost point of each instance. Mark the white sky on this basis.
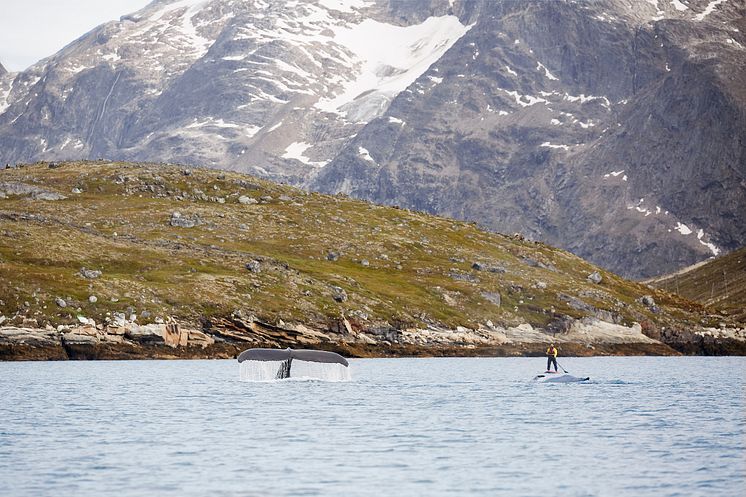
(31, 30)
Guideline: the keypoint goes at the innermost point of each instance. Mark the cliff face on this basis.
(612, 128)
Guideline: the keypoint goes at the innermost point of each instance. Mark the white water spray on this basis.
(301, 370)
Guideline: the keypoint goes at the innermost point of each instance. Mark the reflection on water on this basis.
(300, 370)
(641, 427)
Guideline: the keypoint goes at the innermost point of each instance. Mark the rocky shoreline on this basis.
(226, 338)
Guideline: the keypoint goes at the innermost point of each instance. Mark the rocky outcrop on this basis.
(14, 189)
(90, 341)
(30, 344)
(707, 341)
(228, 337)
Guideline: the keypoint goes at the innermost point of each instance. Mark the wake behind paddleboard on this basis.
(554, 377)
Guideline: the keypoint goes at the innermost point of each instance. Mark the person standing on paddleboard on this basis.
(552, 357)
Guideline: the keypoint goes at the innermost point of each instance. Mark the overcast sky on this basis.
(33, 29)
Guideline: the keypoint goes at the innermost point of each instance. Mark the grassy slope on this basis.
(119, 224)
(720, 283)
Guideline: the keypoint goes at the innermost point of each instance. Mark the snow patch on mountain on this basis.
(296, 150)
(5, 95)
(683, 228)
(542, 67)
(345, 5)
(713, 248)
(708, 10)
(365, 154)
(524, 100)
(552, 145)
(389, 57)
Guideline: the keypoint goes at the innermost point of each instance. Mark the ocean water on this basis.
(401, 427)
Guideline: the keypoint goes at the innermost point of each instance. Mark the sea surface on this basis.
(401, 427)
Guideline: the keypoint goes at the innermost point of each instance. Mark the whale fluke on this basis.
(286, 354)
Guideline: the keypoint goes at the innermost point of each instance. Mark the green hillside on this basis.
(720, 283)
(199, 245)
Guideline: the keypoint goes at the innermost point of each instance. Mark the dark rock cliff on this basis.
(616, 138)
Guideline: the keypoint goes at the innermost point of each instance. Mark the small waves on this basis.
(641, 427)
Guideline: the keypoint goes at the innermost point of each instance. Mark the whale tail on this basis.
(286, 356)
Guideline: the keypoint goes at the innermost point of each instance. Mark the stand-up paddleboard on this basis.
(555, 377)
(286, 356)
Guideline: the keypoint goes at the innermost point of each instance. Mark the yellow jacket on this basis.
(552, 352)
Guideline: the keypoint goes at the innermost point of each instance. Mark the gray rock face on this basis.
(612, 128)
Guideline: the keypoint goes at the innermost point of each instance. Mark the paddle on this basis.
(563, 369)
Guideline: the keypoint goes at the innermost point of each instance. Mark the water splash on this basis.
(268, 371)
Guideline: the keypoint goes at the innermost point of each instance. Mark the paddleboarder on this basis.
(552, 357)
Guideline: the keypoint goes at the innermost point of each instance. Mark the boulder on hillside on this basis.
(184, 222)
(246, 200)
(340, 295)
(647, 300)
(493, 297)
(90, 274)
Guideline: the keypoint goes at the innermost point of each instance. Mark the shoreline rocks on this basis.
(226, 338)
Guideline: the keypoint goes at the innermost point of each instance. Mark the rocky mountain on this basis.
(270, 87)
(612, 128)
(112, 260)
